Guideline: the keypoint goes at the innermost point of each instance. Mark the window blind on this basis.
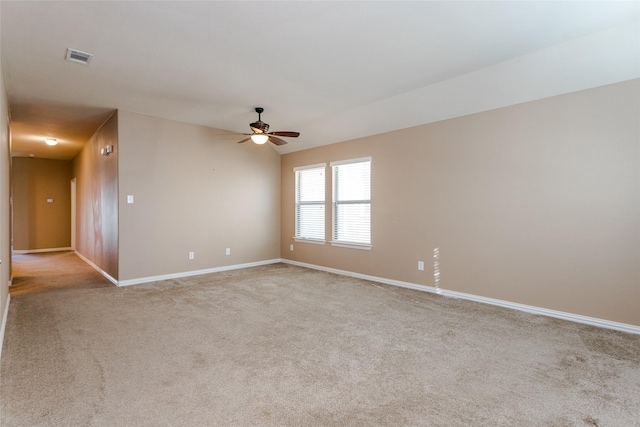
(310, 202)
(352, 202)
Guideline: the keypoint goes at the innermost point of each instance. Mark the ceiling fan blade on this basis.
(288, 133)
(244, 140)
(277, 141)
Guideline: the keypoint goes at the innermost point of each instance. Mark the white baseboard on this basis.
(98, 269)
(4, 324)
(593, 321)
(194, 272)
(37, 251)
(150, 279)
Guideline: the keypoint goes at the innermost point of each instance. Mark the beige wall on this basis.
(537, 203)
(5, 209)
(38, 224)
(97, 199)
(193, 191)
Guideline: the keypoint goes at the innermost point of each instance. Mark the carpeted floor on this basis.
(52, 271)
(284, 345)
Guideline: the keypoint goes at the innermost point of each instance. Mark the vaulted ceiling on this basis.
(331, 70)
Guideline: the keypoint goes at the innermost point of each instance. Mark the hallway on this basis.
(52, 271)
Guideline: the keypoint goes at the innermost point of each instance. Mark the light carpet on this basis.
(281, 345)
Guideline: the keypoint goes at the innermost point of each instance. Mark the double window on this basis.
(351, 203)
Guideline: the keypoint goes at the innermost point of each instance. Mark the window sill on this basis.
(364, 246)
(314, 241)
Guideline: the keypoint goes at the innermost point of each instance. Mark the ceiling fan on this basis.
(261, 135)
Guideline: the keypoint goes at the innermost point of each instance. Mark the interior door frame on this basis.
(73, 214)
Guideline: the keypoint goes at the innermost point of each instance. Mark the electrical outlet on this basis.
(291, 247)
(228, 251)
(192, 255)
(421, 265)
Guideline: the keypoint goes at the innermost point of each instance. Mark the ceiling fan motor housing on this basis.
(259, 127)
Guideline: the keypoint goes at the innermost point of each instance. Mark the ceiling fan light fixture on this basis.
(260, 132)
(51, 141)
(259, 138)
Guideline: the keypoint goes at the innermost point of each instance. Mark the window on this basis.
(310, 206)
(352, 203)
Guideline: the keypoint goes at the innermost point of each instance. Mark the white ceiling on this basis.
(331, 70)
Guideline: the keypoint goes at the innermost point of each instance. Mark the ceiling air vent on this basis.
(78, 56)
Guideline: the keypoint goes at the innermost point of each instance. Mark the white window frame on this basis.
(323, 203)
(335, 203)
